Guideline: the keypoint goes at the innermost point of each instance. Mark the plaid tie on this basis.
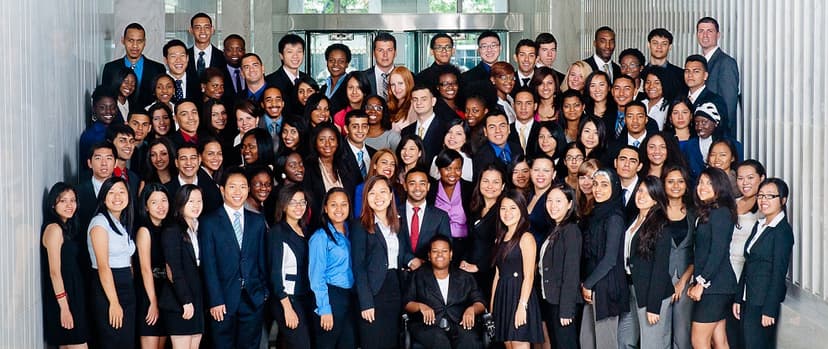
(179, 92)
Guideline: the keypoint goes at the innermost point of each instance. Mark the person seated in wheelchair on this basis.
(443, 302)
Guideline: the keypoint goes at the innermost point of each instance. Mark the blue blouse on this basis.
(121, 247)
(329, 264)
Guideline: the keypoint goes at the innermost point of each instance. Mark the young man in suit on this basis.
(187, 119)
(525, 130)
(419, 221)
(273, 104)
(659, 41)
(498, 146)
(140, 122)
(101, 161)
(187, 85)
(358, 155)
(253, 73)
(488, 47)
(442, 48)
(292, 55)
(203, 54)
(188, 162)
(696, 76)
(627, 164)
(430, 127)
(134, 41)
(234, 49)
(526, 53)
(548, 52)
(623, 92)
(724, 72)
(444, 302)
(234, 265)
(385, 52)
(637, 125)
(123, 138)
(604, 44)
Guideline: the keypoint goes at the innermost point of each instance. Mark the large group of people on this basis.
(507, 205)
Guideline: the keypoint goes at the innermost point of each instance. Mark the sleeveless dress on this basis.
(73, 284)
(158, 267)
(506, 299)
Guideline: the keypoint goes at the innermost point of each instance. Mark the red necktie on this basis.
(121, 173)
(415, 229)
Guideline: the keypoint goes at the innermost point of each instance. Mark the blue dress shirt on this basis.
(329, 264)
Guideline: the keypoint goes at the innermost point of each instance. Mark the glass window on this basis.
(442, 6)
(358, 43)
(335, 6)
(465, 45)
(485, 6)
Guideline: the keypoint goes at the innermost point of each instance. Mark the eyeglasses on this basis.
(571, 158)
(448, 83)
(630, 66)
(262, 185)
(506, 78)
(294, 203)
(446, 48)
(489, 47)
(767, 196)
(374, 107)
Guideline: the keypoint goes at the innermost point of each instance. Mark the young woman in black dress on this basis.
(64, 294)
(515, 306)
(182, 306)
(288, 252)
(483, 217)
(155, 205)
(714, 280)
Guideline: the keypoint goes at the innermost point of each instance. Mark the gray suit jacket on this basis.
(723, 79)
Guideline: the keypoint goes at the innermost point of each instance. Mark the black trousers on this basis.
(109, 337)
(300, 337)
(342, 335)
(242, 329)
(755, 336)
(387, 312)
(561, 337)
(455, 337)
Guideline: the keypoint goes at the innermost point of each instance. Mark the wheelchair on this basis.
(485, 326)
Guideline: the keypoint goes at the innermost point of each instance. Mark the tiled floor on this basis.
(804, 321)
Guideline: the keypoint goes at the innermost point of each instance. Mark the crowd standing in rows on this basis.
(607, 206)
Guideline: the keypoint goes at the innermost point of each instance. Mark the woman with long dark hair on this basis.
(317, 110)
(331, 274)
(111, 247)
(515, 305)
(160, 166)
(257, 148)
(64, 291)
(379, 255)
(647, 246)
(559, 263)
(598, 100)
(357, 87)
(124, 82)
(324, 167)
(715, 282)
(762, 286)
(484, 216)
(288, 254)
(542, 177)
(681, 226)
(661, 151)
(411, 154)
(604, 287)
(154, 207)
(547, 87)
(592, 138)
(456, 139)
(261, 198)
(182, 297)
(679, 121)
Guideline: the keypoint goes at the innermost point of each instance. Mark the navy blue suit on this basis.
(235, 277)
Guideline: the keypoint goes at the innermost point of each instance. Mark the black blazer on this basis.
(87, 203)
(532, 147)
(428, 76)
(145, 91)
(230, 93)
(462, 293)
(179, 254)
(228, 268)
(616, 69)
(433, 138)
(561, 265)
(482, 232)
(339, 99)
(370, 76)
(280, 79)
(351, 165)
(630, 210)
(209, 190)
(651, 277)
(712, 253)
(486, 155)
(216, 61)
(369, 253)
(434, 222)
(315, 187)
(466, 190)
(766, 264)
(281, 235)
(477, 73)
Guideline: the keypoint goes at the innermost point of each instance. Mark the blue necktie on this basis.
(361, 163)
(237, 228)
(200, 65)
(636, 143)
(179, 92)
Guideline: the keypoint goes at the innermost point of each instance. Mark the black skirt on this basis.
(109, 337)
(712, 307)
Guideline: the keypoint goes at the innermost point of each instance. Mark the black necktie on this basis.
(200, 63)
(525, 82)
(238, 81)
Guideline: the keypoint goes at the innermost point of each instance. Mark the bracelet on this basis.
(60, 295)
(525, 305)
(701, 281)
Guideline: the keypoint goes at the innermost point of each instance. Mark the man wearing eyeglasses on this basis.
(488, 48)
(442, 48)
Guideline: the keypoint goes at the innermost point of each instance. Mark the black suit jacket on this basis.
(651, 277)
(186, 277)
(280, 79)
(145, 91)
(216, 61)
(370, 76)
(428, 76)
(369, 253)
(708, 96)
(532, 147)
(462, 293)
(352, 167)
(434, 222)
(630, 210)
(433, 138)
(210, 192)
(315, 187)
(230, 93)
(280, 237)
(616, 69)
(712, 252)
(466, 189)
(478, 73)
(561, 265)
(486, 155)
(228, 268)
(766, 264)
(193, 88)
(87, 203)
(339, 99)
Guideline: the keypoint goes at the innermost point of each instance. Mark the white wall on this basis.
(52, 51)
(779, 46)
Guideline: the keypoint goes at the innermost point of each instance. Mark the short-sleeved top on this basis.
(121, 246)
